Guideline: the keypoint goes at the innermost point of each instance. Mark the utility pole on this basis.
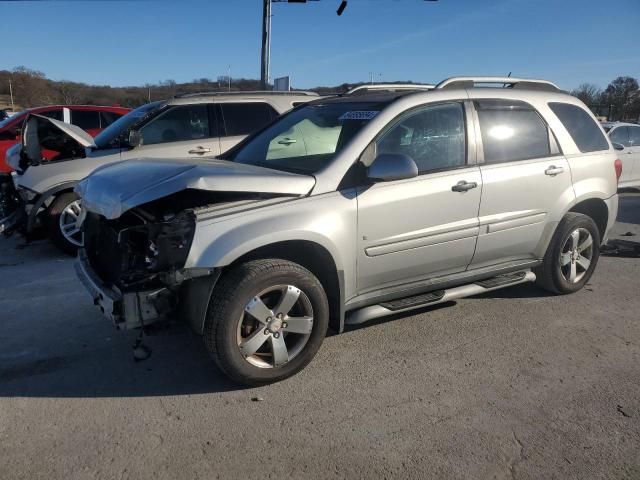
(266, 43)
(11, 94)
(229, 78)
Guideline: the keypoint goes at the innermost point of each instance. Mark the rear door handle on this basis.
(463, 186)
(552, 171)
(287, 141)
(200, 150)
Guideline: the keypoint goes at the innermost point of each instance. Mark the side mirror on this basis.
(392, 166)
(617, 146)
(135, 138)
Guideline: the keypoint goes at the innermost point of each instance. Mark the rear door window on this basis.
(246, 118)
(511, 130)
(86, 119)
(583, 129)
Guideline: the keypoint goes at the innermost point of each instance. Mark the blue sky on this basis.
(137, 42)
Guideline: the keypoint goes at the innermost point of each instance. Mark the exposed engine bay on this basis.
(148, 245)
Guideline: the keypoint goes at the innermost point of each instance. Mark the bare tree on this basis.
(69, 92)
(622, 93)
(588, 93)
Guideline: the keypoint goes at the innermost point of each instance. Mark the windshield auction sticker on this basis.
(359, 115)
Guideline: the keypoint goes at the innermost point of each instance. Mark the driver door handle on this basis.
(287, 141)
(552, 171)
(200, 150)
(463, 186)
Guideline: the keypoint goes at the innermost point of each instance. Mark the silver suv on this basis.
(351, 208)
(190, 126)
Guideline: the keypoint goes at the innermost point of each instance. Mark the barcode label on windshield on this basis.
(359, 115)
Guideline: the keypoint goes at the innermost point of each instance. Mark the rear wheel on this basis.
(266, 320)
(63, 223)
(572, 255)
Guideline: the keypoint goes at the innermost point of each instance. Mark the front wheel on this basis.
(266, 320)
(572, 255)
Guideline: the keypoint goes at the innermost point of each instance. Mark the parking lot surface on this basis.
(513, 384)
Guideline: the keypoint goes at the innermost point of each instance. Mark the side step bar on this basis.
(365, 314)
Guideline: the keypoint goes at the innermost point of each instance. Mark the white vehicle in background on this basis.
(188, 126)
(626, 139)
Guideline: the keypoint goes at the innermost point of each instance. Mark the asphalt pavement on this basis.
(512, 384)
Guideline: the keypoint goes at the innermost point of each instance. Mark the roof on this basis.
(263, 93)
(374, 96)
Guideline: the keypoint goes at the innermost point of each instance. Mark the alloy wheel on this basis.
(275, 326)
(69, 222)
(576, 255)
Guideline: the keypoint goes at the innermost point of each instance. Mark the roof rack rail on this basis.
(391, 87)
(507, 82)
(247, 92)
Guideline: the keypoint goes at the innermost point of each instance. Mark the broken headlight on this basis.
(159, 247)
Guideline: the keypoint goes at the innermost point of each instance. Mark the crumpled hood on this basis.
(113, 189)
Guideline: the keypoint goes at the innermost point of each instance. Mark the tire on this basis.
(237, 323)
(61, 211)
(563, 267)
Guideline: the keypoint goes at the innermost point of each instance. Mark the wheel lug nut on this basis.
(267, 331)
(276, 335)
(269, 319)
(284, 325)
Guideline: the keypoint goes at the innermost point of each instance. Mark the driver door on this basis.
(182, 131)
(427, 226)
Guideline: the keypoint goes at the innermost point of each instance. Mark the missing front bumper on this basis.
(127, 310)
(12, 212)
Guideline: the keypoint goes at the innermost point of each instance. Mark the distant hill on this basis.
(32, 88)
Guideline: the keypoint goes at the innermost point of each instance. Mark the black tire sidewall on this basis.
(53, 222)
(565, 229)
(228, 355)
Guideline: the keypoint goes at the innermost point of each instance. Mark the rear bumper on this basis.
(125, 310)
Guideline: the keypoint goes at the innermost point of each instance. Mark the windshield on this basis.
(112, 135)
(307, 139)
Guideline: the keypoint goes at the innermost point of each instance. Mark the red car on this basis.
(92, 119)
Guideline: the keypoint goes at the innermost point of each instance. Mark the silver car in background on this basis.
(189, 126)
(626, 140)
(352, 208)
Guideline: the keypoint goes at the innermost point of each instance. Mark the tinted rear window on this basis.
(511, 130)
(582, 128)
(246, 118)
(86, 119)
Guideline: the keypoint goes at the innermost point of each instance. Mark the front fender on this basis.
(42, 199)
(328, 220)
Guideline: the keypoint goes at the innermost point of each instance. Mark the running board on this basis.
(365, 314)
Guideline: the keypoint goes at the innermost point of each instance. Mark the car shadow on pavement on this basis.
(94, 363)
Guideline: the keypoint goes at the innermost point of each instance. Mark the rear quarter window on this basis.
(583, 129)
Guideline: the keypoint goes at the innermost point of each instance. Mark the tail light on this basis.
(618, 167)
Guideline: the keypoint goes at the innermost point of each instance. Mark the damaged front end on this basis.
(133, 266)
(12, 212)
